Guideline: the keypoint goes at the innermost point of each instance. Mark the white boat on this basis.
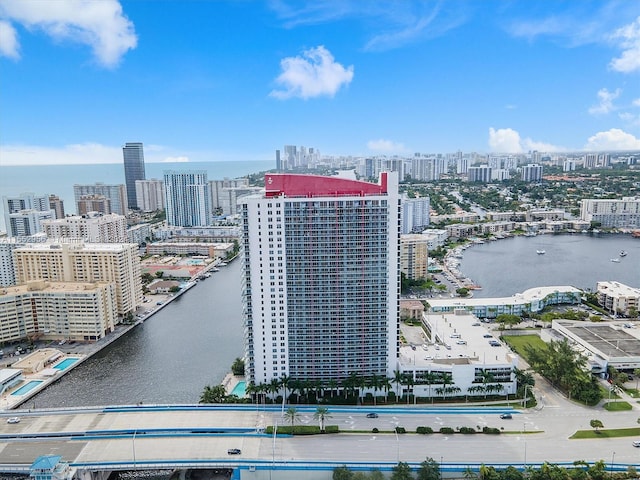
(540, 252)
(623, 253)
(615, 260)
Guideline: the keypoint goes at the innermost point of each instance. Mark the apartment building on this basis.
(612, 213)
(414, 258)
(77, 261)
(57, 311)
(321, 279)
(93, 227)
(618, 298)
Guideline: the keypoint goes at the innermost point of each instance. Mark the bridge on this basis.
(97, 441)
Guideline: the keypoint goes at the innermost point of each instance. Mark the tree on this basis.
(215, 394)
(342, 473)
(159, 274)
(507, 319)
(596, 424)
(321, 414)
(402, 471)
(636, 372)
(429, 470)
(462, 291)
(237, 367)
(398, 378)
(174, 289)
(292, 415)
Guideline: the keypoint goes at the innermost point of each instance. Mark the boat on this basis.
(615, 260)
(623, 253)
(540, 252)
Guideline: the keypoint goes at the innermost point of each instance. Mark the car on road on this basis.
(234, 451)
(506, 416)
(13, 420)
(487, 335)
(372, 415)
(636, 443)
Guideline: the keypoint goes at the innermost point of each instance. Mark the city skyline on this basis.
(82, 78)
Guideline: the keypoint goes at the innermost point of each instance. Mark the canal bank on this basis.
(35, 380)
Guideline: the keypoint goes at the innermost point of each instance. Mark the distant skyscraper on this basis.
(415, 214)
(532, 173)
(133, 170)
(23, 213)
(150, 195)
(117, 195)
(321, 278)
(187, 198)
(481, 173)
(57, 205)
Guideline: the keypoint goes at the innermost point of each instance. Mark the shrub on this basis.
(491, 431)
(424, 430)
(467, 430)
(401, 430)
(447, 430)
(375, 430)
(332, 429)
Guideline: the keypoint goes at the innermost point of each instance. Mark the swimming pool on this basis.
(66, 363)
(26, 388)
(239, 389)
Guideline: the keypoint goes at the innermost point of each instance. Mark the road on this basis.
(144, 434)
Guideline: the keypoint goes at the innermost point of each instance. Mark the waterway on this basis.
(509, 266)
(170, 358)
(193, 341)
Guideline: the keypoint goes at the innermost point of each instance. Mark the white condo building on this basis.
(187, 198)
(93, 228)
(150, 195)
(321, 280)
(76, 261)
(23, 213)
(610, 213)
(116, 194)
(415, 214)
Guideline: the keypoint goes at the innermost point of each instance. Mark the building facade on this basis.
(75, 261)
(321, 281)
(133, 156)
(532, 173)
(57, 205)
(117, 195)
(150, 195)
(92, 227)
(57, 311)
(414, 258)
(23, 213)
(618, 298)
(612, 213)
(187, 198)
(415, 214)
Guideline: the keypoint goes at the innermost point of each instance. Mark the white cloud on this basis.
(9, 46)
(75, 154)
(628, 38)
(606, 99)
(386, 146)
(99, 24)
(504, 140)
(636, 102)
(614, 139)
(507, 140)
(313, 74)
(180, 159)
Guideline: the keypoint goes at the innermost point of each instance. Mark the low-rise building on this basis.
(212, 250)
(618, 298)
(414, 259)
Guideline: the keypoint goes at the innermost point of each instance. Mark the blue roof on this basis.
(46, 462)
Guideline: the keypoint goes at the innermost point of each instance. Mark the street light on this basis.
(134, 448)
(398, 445)
(613, 456)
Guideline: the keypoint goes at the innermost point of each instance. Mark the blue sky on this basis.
(236, 80)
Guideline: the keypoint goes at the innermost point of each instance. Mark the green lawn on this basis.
(518, 343)
(604, 433)
(617, 406)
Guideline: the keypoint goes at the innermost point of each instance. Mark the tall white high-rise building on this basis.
(187, 198)
(481, 173)
(23, 213)
(150, 195)
(321, 279)
(415, 214)
(532, 173)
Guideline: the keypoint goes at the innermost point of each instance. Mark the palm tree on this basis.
(375, 382)
(487, 377)
(398, 377)
(274, 387)
(321, 414)
(447, 379)
(430, 378)
(386, 386)
(284, 382)
(292, 415)
(332, 383)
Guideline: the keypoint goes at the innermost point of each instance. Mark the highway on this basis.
(144, 435)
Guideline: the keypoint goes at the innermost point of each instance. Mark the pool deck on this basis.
(230, 382)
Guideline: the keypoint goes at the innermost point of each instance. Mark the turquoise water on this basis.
(239, 389)
(27, 387)
(195, 262)
(66, 363)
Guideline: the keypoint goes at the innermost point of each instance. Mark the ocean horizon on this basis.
(59, 179)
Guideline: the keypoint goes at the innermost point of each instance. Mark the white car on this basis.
(636, 443)
(13, 420)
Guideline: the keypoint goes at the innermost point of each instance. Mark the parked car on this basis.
(13, 420)
(506, 416)
(234, 451)
(372, 415)
(636, 443)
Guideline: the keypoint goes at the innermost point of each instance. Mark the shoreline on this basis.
(81, 352)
